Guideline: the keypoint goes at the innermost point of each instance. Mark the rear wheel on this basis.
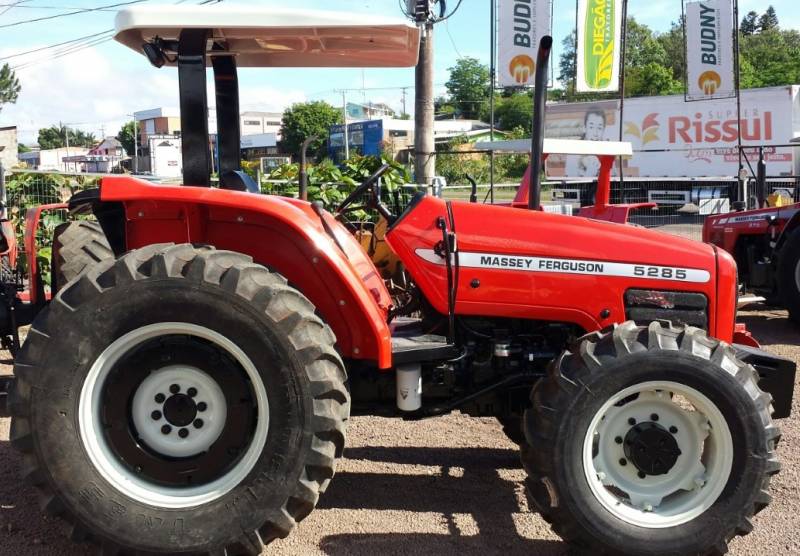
(650, 440)
(789, 275)
(180, 400)
(77, 245)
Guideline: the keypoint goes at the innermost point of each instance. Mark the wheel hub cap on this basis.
(651, 448)
(180, 410)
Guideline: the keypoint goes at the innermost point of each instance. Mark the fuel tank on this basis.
(519, 263)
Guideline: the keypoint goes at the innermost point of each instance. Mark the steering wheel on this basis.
(371, 183)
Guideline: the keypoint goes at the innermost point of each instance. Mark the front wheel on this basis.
(650, 440)
(180, 400)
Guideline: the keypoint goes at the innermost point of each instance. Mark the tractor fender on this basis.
(285, 235)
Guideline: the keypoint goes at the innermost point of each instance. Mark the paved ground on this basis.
(450, 486)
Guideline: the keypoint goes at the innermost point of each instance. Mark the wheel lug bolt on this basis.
(623, 461)
(198, 423)
(631, 421)
(654, 417)
(202, 406)
(160, 398)
(156, 415)
(166, 429)
(192, 392)
(618, 440)
(673, 430)
(642, 474)
(183, 433)
(174, 388)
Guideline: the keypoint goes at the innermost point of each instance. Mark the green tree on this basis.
(469, 87)
(749, 24)
(304, 119)
(9, 86)
(127, 136)
(566, 63)
(650, 80)
(55, 137)
(23, 148)
(774, 55)
(674, 49)
(514, 112)
(768, 20)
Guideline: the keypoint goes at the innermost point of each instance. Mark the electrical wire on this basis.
(13, 5)
(38, 7)
(77, 45)
(451, 14)
(56, 45)
(82, 11)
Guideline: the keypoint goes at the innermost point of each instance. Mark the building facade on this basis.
(9, 147)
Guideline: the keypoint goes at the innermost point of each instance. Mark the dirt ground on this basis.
(451, 485)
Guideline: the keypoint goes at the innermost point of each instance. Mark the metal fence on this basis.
(681, 204)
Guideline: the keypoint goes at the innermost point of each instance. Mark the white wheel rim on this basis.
(149, 414)
(691, 485)
(122, 478)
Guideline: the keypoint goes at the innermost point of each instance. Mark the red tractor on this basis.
(766, 246)
(189, 394)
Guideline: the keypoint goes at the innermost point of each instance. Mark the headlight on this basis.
(677, 307)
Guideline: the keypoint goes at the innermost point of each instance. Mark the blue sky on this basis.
(95, 89)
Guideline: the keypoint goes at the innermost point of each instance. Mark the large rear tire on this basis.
(180, 400)
(650, 441)
(789, 275)
(77, 245)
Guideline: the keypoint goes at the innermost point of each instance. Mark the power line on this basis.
(56, 45)
(13, 5)
(85, 10)
(38, 7)
(76, 45)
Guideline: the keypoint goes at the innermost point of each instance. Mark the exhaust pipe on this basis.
(537, 140)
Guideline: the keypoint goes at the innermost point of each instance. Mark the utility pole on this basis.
(346, 133)
(405, 89)
(424, 159)
(135, 146)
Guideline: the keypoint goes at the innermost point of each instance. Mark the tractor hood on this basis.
(531, 264)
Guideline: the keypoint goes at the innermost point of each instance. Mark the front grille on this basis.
(645, 306)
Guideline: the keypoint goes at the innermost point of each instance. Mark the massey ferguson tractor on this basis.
(766, 246)
(186, 388)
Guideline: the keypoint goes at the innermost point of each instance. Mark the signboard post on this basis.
(598, 46)
(522, 24)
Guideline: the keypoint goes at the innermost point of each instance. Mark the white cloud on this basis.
(99, 88)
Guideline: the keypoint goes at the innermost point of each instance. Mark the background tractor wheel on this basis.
(789, 275)
(77, 245)
(650, 440)
(179, 400)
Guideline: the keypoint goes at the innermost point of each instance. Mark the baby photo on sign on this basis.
(594, 128)
(583, 121)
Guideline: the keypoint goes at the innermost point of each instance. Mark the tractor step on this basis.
(411, 345)
(5, 386)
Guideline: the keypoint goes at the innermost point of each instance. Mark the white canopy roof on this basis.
(279, 37)
(561, 146)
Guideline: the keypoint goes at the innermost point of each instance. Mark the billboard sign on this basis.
(599, 45)
(672, 138)
(709, 50)
(521, 25)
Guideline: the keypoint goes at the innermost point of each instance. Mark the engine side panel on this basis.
(282, 234)
(530, 264)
